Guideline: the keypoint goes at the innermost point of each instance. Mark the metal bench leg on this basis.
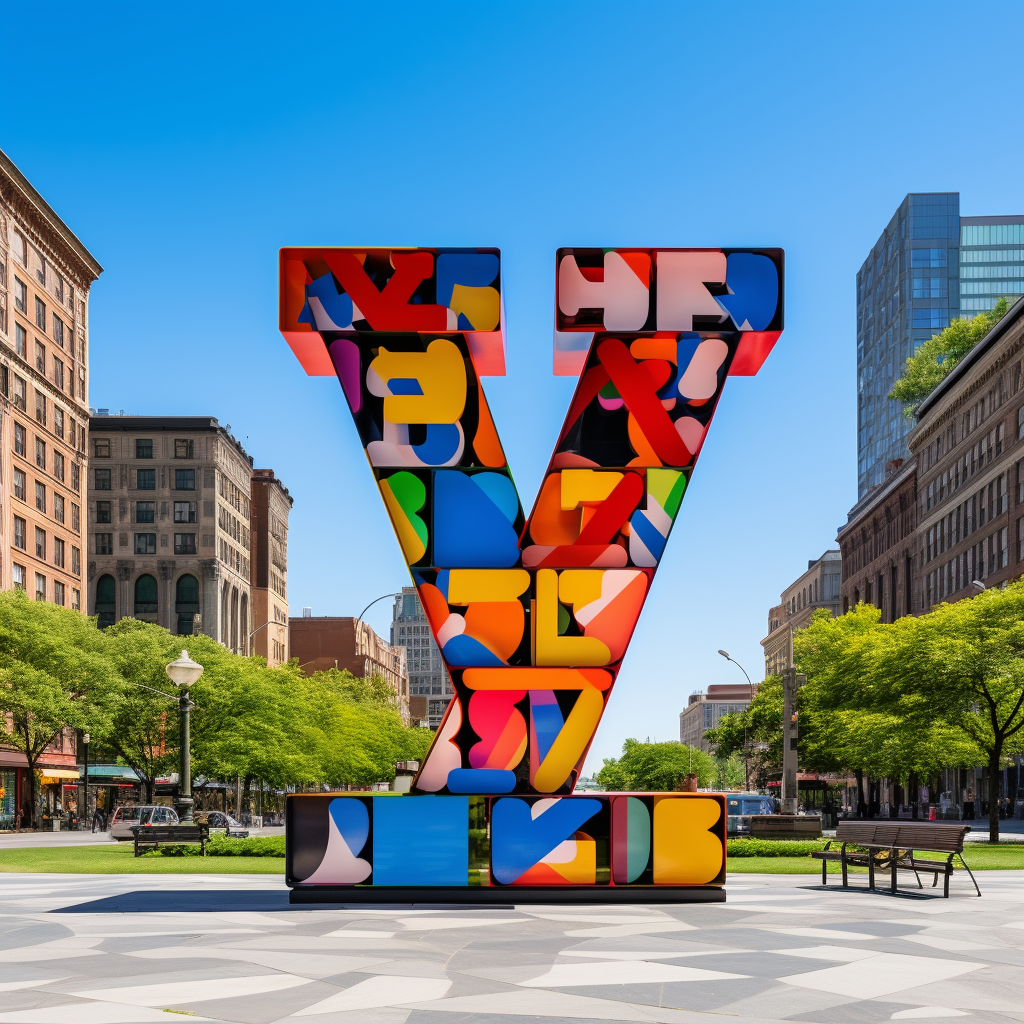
(871, 870)
(969, 871)
(892, 872)
(824, 872)
(846, 880)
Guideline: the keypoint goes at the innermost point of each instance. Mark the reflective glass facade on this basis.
(929, 266)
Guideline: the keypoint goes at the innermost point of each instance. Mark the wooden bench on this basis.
(187, 834)
(891, 845)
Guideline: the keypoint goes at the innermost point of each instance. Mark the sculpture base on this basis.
(581, 848)
(509, 896)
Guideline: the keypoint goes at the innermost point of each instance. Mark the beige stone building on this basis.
(170, 521)
(45, 277)
(269, 507)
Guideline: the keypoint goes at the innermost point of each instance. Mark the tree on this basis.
(55, 672)
(755, 733)
(931, 363)
(655, 767)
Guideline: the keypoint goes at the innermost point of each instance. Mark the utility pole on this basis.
(791, 682)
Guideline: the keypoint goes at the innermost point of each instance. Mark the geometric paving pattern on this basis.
(121, 949)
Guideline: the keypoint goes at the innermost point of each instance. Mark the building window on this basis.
(19, 484)
(145, 479)
(145, 595)
(40, 314)
(144, 448)
(58, 330)
(58, 507)
(18, 576)
(104, 543)
(41, 497)
(145, 512)
(76, 561)
(58, 552)
(41, 408)
(184, 511)
(106, 590)
(76, 518)
(20, 530)
(20, 394)
(184, 543)
(186, 603)
(58, 374)
(40, 587)
(101, 448)
(102, 478)
(184, 448)
(58, 422)
(103, 511)
(76, 599)
(19, 440)
(40, 543)
(20, 340)
(184, 479)
(20, 295)
(145, 543)
(75, 471)
(58, 466)
(41, 453)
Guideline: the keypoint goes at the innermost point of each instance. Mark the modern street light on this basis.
(725, 654)
(978, 584)
(183, 673)
(85, 775)
(750, 685)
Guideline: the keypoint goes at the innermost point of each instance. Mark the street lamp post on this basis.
(746, 753)
(85, 777)
(183, 673)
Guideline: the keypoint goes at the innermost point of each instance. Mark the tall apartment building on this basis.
(818, 587)
(269, 508)
(170, 521)
(430, 688)
(929, 266)
(45, 277)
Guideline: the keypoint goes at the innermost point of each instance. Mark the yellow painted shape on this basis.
(549, 647)
(468, 585)
(441, 373)
(582, 869)
(480, 306)
(580, 587)
(583, 485)
(685, 852)
(412, 546)
(536, 678)
(569, 744)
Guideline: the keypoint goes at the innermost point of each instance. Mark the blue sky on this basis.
(185, 143)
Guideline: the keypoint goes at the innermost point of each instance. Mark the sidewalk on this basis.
(25, 840)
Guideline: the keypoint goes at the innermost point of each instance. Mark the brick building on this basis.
(703, 711)
(328, 641)
(269, 507)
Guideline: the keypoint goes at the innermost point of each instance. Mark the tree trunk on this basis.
(862, 807)
(148, 782)
(993, 791)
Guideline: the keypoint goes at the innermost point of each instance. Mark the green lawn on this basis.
(981, 857)
(119, 860)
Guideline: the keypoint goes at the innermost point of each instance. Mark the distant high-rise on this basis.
(929, 266)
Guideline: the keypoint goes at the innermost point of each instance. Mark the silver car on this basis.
(139, 814)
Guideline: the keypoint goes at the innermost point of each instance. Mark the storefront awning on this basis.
(55, 774)
(120, 772)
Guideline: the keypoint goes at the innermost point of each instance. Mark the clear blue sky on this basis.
(184, 143)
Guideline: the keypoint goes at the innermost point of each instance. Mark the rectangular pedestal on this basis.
(588, 848)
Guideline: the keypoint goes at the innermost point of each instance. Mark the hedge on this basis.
(221, 846)
(774, 847)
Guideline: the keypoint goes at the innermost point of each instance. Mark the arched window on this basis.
(146, 598)
(106, 592)
(243, 639)
(186, 603)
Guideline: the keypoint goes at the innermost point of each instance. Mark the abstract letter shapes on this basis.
(606, 604)
(421, 840)
(501, 728)
(444, 755)
(474, 520)
(685, 852)
(524, 835)
(631, 839)
(325, 308)
(404, 494)
(649, 528)
(464, 285)
(699, 381)
(420, 387)
(753, 282)
(492, 627)
(624, 294)
(348, 823)
(549, 647)
(553, 758)
(682, 294)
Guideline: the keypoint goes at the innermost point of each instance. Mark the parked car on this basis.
(139, 814)
(221, 823)
(740, 806)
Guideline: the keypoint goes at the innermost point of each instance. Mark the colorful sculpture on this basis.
(533, 614)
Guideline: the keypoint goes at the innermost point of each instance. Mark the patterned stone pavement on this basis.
(119, 949)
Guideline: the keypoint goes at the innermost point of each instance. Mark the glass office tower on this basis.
(929, 266)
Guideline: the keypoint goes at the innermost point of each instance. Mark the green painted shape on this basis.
(412, 496)
(638, 838)
(666, 486)
(563, 619)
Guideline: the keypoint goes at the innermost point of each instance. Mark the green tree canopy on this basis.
(655, 767)
(931, 363)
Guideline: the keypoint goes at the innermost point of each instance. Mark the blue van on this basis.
(740, 806)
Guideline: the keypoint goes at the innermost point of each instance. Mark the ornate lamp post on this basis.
(183, 673)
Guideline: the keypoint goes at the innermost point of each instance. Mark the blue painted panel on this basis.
(420, 840)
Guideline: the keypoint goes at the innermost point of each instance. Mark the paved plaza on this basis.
(118, 949)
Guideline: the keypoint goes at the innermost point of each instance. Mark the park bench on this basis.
(152, 836)
(891, 845)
